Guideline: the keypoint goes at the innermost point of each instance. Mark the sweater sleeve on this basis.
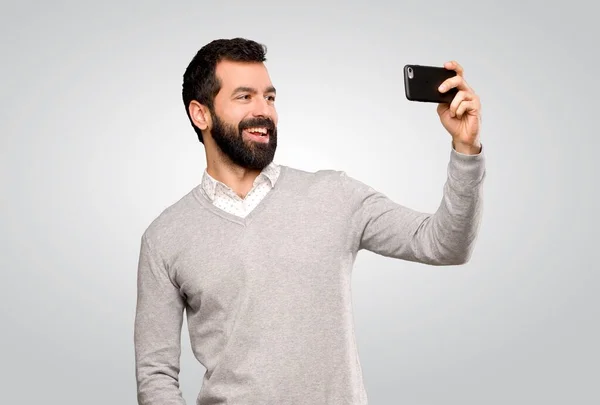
(157, 335)
(446, 237)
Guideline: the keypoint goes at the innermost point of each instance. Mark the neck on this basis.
(238, 178)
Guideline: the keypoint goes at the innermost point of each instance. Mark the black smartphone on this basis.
(421, 83)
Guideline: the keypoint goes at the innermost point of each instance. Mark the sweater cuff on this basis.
(466, 168)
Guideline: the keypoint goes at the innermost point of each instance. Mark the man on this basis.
(260, 255)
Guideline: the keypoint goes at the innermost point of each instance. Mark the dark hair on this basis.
(200, 82)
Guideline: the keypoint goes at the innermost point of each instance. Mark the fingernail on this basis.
(442, 88)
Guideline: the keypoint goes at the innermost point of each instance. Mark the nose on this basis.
(262, 108)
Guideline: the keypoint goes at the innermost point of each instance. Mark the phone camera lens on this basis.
(410, 73)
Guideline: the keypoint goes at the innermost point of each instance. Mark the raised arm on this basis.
(157, 336)
(446, 237)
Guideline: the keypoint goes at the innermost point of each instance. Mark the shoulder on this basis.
(172, 219)
(331, 178)
(320, 176)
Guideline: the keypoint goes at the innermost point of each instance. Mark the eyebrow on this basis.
(244, 89)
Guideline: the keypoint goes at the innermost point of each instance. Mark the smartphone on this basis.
(421, 83)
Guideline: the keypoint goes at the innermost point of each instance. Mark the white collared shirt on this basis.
(223, 197)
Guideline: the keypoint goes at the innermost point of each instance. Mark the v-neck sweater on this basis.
(226, 199)
(268, 297)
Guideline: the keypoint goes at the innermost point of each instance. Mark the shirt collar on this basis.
(270, 173)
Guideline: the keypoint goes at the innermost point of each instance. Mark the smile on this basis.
(258, 134)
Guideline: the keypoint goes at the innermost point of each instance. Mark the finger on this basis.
(456, 101)
(466, 107)
(454, 65)
(456, 81)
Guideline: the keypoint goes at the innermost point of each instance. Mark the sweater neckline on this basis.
(203, 199)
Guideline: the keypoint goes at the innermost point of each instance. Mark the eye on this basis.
(271, 98)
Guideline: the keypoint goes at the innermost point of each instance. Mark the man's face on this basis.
(244, 117)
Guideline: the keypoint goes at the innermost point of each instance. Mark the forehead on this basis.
(236, 74)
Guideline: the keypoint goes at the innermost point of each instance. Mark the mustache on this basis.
(257, 122)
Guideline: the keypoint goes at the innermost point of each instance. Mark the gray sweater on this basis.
(268, 297)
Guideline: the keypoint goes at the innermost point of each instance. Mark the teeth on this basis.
(261, 130)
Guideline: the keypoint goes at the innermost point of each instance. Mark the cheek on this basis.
(233, 115)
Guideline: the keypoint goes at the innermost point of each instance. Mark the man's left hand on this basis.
(462, 116)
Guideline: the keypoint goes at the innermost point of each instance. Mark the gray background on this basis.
(95, 143)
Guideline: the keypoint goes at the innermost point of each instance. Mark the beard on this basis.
(247, 154)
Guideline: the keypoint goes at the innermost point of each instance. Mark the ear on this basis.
(200, 115)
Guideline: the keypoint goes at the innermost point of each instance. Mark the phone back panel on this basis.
(421, 83)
